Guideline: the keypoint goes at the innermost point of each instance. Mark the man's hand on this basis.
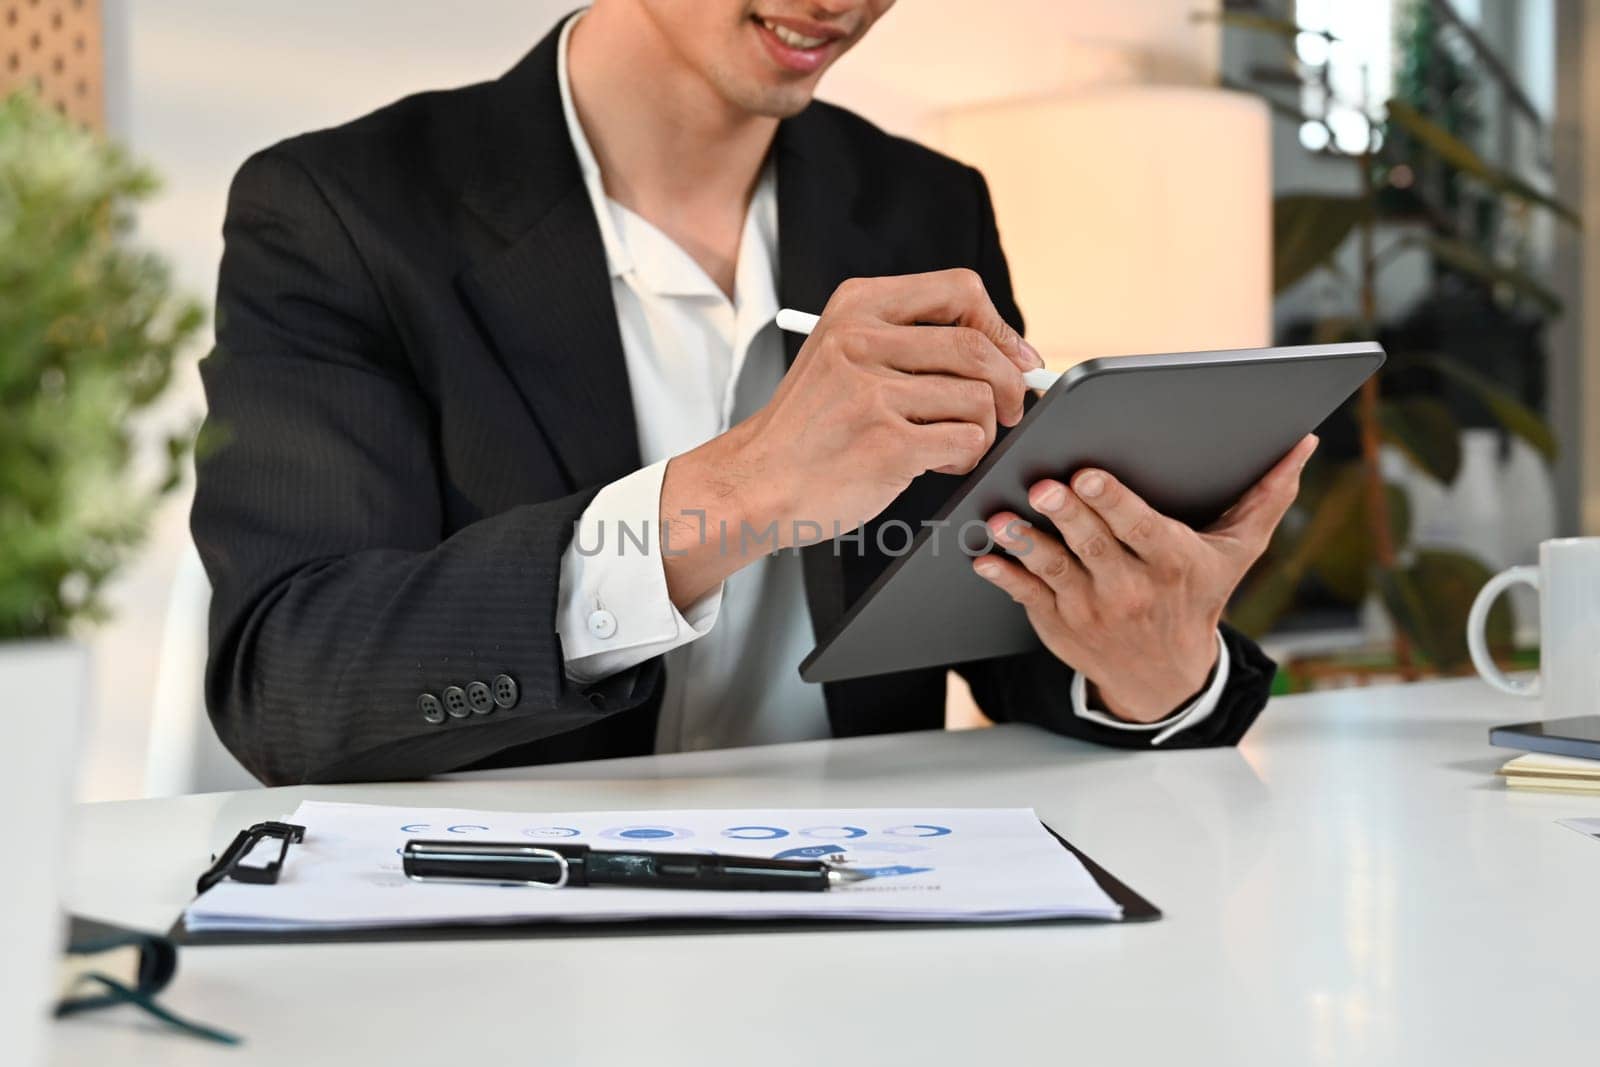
(1135, 604)
(873, 400)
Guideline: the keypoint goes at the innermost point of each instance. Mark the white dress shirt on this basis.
(697, 363)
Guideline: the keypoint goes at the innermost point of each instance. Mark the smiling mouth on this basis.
(792, 38)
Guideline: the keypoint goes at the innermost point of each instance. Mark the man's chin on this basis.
(772, 101)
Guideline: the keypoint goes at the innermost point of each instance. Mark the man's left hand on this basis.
(1135, 604)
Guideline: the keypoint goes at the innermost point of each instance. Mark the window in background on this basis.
(1356, 41)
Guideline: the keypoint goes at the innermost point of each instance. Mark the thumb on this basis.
(1251, 521)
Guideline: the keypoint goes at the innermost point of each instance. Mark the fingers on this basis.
(1249, 523)
(958, 351)
(944, 447)
(1145, 532)
(1081, 527)
(1016, 582)
(940, 398)
(1040, 554)
(955, 297)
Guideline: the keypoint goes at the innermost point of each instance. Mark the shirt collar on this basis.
(617, 257)
(637, 249)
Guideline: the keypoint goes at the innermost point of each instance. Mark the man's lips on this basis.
(795, 44)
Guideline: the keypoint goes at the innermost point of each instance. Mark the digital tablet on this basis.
(1577, 736)
(1189, 432)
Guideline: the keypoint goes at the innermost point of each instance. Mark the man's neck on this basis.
(670, 148)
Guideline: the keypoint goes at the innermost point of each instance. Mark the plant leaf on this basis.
(1281, 108)
(1266, 74)
(1264, 601)
(1469, 259)
(1346, 560)
(1460, 155)
(1426, 431)
(1288, 29)
(1307, 229)
(1516, 417)
(1278, 576)
(1429, 600)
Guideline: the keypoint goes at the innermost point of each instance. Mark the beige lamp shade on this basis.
(1135, 219)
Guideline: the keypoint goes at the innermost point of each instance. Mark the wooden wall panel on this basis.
(57, 48)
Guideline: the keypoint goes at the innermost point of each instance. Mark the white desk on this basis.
(1351, 886)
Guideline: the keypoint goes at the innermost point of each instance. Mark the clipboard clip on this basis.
(230, 863)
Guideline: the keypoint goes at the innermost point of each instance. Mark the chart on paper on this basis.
(954, 864)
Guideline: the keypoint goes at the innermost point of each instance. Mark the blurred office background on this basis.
(1144, 143)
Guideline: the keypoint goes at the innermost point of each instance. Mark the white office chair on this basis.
(184, 755)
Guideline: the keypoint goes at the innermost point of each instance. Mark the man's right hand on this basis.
(872, 401)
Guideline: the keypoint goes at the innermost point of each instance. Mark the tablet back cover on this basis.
(1189, 432)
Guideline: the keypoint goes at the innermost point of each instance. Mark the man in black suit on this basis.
(456, 331)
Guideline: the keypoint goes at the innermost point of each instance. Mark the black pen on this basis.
(554, 866)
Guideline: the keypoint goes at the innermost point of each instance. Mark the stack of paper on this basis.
(1538, 770)
(932, 864)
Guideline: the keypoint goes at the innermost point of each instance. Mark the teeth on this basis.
(792, 39)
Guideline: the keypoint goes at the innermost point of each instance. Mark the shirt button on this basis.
(602, 624)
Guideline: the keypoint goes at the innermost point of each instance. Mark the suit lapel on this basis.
(544, 297)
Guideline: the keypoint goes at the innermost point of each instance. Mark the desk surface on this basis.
(1349, 886)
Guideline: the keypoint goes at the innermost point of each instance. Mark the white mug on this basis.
(1568, 582)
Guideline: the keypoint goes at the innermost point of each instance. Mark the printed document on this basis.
(949, 864)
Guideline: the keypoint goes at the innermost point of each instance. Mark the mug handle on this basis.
(1477, 622)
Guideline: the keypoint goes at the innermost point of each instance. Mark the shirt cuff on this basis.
(1195, 712)
(614, 612)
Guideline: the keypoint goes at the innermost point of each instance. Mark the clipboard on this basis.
(1135, 909)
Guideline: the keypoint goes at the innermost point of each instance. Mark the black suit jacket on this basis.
(419, 385)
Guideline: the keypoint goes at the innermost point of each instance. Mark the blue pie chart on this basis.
(809, 852)
(646, 833)
(846, 832)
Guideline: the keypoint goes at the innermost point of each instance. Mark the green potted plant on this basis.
(89, 332)
(1418, 184)
(90, 329)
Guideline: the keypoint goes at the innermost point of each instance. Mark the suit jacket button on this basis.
(432, 710)
(479, 698)
(596, 699)
(455, 702)
(505, 691)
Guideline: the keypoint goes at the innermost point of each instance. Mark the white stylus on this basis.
(792, 321)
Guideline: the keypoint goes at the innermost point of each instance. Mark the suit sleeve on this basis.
(337, 600)
(1035, 687)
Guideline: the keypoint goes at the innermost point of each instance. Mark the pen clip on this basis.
(230, 863)
(417, 853)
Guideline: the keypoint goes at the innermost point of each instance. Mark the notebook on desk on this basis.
(343, 880)
(1541, 770)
